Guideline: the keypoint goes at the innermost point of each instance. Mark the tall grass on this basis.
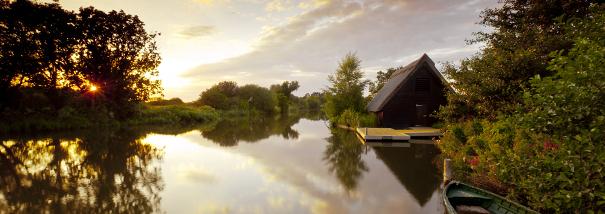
(174, 114)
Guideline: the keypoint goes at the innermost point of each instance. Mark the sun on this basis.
(93, 88)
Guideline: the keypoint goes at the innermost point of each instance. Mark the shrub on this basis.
(551, 151)
(349, 118)
(175, 114)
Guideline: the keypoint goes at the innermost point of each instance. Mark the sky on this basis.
(267, 42)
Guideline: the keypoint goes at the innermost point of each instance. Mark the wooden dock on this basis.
(389, 134)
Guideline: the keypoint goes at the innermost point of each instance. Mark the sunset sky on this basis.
(263, 42)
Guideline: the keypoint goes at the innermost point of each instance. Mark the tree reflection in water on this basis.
(95, 172)
(344, 157)
(230, 132)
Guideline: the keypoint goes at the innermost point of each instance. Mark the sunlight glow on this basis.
(93, 88)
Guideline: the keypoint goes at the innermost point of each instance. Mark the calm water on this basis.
(270, 165)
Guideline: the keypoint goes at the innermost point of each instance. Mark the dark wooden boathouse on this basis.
(410, 96)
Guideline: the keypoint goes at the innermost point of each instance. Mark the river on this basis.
(261, 165)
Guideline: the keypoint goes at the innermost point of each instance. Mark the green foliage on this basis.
(492, 81)
(259, 98)
(381, 78)
(284, 94)
(550, 150)
(312, 101)
(368, 120)
(163, 102)
(228, 96)
(174, 114)
(349, 118)
(220, 96)
(346, 90)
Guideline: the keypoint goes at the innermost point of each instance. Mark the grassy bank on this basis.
(69, 118)
(173, 114)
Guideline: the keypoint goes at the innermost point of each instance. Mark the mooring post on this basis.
(447, 170)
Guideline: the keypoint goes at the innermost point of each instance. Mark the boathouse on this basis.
(410, 96)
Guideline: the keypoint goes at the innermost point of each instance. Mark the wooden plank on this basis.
(422, 132)
(389, 134)
(382, 134)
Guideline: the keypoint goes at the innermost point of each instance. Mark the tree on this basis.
(284, 94)
(346, 90)
(118, 56)
(381, 78)
(518, 48)
(548, 151)
(220, 96)
(257, 97)
(37, 42)
(228, 88)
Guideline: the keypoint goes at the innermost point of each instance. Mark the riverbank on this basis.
(70, 118)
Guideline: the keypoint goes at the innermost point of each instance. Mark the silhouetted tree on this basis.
(59, 52)
(119, 56)
(37, 42)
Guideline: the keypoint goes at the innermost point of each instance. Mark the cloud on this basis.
(278, 5)
(197, 31)
(205, 2)
(384, 34)
(196, 174)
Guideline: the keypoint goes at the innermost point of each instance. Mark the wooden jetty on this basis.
(389, 134)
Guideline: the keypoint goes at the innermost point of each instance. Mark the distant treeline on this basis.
(52, 58)
(227, 95)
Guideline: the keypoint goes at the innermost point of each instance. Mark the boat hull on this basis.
(463, 198)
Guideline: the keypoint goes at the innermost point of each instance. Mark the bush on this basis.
(162, 102)
(368, 120)
(551, 151)
(175, 114)
(349, 118)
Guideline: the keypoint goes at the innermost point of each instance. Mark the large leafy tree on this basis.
(118, 56)
(220, 96)
(37, 42)
(518, 47)
(346, 89)
(59, 52)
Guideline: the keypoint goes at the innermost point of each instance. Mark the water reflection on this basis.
(230, 132)
(344, 156)
(414, 168)
(287, 165)
(412, 165)
(99, 172)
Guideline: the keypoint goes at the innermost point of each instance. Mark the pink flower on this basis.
(549, 145)
(474, 161)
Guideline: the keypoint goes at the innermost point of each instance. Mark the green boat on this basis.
(463, 198)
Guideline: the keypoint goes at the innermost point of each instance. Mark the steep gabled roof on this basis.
(398, 78)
